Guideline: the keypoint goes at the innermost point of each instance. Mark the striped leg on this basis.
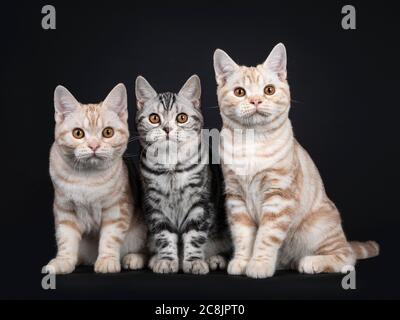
(194, 236)
(113, 229)
(166, 258)
(272, 231)
(164, 242)
(68, 236)
(193, 252)
(332, 252)
(243, 230)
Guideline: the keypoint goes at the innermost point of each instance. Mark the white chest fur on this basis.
(86, 193)
(250, 153)
(247, 158)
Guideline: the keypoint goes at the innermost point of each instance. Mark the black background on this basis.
(344, 86)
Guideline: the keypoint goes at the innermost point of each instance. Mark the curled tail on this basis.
(364, 250)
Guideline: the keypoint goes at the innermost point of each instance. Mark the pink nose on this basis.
(93, 145)
(255, 101)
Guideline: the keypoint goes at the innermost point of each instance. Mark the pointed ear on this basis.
(64, 103)
(223, 66)
(117, 101)
(144, 91)
(276, 61)
(191, 90)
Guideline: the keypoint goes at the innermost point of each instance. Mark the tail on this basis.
(364, 250)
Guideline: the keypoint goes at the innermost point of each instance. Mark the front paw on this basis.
(163, 265)
(134, 261)
(60, 266)
(216, 262)
(260, 269)
(107, 265)
(196, 266)
(237, 266)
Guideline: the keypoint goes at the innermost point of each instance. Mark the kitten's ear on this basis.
(64, 103)
(276, 61)
(191, 90)
(223, 66)
(144, 91)
(117, 101)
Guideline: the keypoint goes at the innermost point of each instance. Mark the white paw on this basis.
(196, 267)
(318, 264)
(260, 269)
(237, 266)
(216, 262)
(163, 265)
(60, 266)
(133, 261)
(309, 265)
(107, 265)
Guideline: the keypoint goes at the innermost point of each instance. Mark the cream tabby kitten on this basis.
(95, 217)
(279, 214)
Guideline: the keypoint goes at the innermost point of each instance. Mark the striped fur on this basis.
(95, 216)
(181, 218)
(279, 213)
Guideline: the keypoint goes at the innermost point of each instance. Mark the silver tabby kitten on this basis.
(184, 229)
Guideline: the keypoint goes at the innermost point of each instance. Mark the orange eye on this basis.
(154, 118)
(239, 92)
(78, 133)
(182, 118)
(269, 90)
(108, 132)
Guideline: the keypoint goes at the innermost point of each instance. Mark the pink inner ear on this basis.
(140, 104)
(116, 100)
(276, 61)
(58, 117)
(221, 80)
(116, 105)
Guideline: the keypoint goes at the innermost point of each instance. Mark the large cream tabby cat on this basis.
(279, 214)
(95, 216)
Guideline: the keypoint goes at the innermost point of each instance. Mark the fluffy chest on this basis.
(170, 185)
(87, 195)
(249, 152)
(173, 187)
(86, 192)
(88, 201)
(254, 164)
(246, 159)
(175, 195)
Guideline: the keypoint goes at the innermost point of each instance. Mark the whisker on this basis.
(296, 101)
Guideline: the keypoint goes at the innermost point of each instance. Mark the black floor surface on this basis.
(371, 283)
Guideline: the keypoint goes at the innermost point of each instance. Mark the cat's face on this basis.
(92, 135)
(168, 117)
(252, 96)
